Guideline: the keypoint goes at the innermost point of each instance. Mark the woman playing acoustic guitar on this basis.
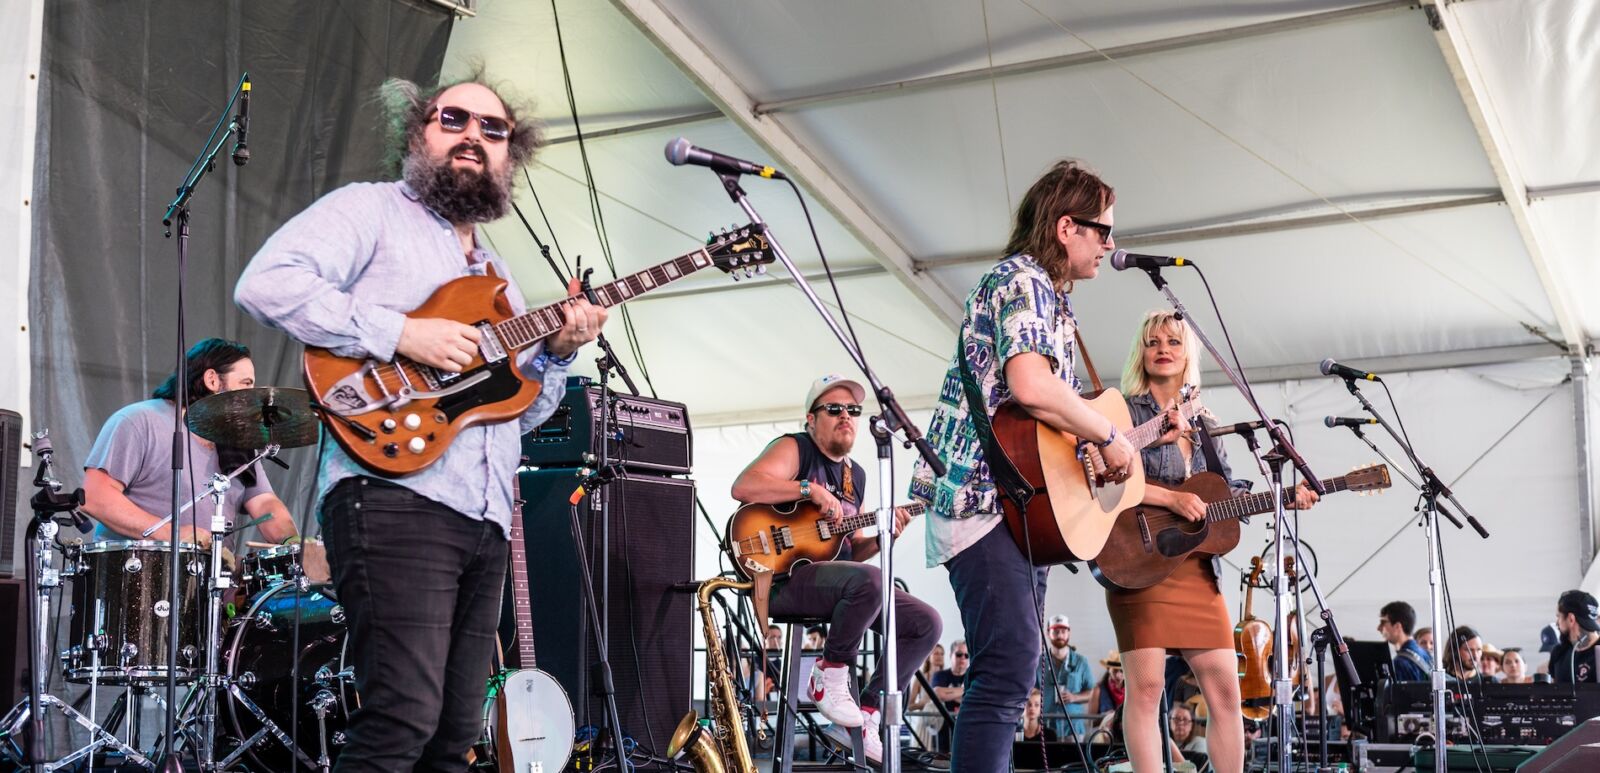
(1185, 613)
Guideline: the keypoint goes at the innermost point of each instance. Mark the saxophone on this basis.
(719, 747)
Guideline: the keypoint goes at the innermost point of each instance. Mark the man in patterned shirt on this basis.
(1017, 341)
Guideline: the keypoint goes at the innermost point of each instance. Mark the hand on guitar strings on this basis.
(583, 323)
(1304, 498)
(442, 343)
(828, 504)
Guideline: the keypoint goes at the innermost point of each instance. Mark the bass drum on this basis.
(258, 661)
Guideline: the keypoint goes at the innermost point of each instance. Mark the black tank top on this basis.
(820, 470)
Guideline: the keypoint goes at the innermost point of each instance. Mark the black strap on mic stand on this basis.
(178, 211)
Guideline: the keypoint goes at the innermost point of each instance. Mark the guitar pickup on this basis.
(489, 344)
(825, 529)
(782, 538)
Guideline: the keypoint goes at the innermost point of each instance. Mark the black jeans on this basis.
(995, 587)
(420, 585)
(850, 595)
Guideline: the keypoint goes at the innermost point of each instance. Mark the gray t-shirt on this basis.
(135, 448)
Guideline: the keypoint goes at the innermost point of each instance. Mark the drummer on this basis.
(127, 482)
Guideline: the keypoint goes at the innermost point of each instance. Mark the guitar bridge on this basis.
(1144, 531)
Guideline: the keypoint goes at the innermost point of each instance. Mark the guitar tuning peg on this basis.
(761, 269)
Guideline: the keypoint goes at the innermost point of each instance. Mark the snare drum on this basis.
(121, 612)
(268, 567)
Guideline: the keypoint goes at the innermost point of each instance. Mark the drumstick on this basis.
(250, 543)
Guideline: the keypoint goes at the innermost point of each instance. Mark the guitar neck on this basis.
(1256, 504)
(519, 581)
(868, 519)
(1151, 431)
(524, 330)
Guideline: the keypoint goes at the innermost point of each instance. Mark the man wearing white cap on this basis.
(815, 465)
(1065, 679)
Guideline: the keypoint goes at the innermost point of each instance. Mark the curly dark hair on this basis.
(407, 108)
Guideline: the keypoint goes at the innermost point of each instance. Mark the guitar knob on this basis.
(388, 425)
(417, 445)
(391, 450)
(413, 421)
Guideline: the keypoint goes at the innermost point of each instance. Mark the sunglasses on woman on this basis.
(492, 127)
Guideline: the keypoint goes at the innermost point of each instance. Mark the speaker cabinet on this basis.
(650, 545)
(10, 474)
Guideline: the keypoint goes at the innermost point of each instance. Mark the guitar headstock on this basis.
(742, 252)
(1369, 479)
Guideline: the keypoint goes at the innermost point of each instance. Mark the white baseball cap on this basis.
(829, 382)
(1059, 621)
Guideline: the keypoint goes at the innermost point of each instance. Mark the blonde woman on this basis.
(1183, 614)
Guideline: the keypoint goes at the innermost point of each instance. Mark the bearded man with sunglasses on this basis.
(418, 562)
(815, 465)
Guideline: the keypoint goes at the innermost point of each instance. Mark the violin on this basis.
(1252, 641)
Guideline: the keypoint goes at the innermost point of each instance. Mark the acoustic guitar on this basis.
(1147, 543)
(1075, 506)
(396, 418)
(781, 537)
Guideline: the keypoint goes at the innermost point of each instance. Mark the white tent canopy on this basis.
(1404, 186)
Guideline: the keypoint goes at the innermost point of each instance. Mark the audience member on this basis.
(1462, 654)
(1424, 637)
(1065, 679)
(1032, 727)
(1185, 733)
(817, 637)
(1113, 687)
(1412, 663)
(1516, 669)
(1573, 660)
(926, 727)
(1490, 663)
(950, 684)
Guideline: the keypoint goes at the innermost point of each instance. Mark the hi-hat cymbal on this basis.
(255, 418)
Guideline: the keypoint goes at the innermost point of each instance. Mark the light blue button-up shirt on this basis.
(342, 274)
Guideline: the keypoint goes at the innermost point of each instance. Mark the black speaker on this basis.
(651, 547)
(10, 471)
(1578, 750)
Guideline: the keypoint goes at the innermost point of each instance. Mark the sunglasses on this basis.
(1103, 229)
(959, 655)
(492, 127)
(834, 409)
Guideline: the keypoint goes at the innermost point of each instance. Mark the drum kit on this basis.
(269, 688)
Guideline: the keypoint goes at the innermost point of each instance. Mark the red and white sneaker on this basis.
(871, 735)
(830, 690)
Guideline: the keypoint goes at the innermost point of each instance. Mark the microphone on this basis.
(1331, 368)
(1341, 421)
(42, 448)
(680, 151)
(1234, 429)
(241, 146)
(1123, 260)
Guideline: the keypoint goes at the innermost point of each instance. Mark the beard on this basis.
(459, 195)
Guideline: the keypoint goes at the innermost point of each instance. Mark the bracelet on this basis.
(1109, 438)
(805, 489)
(292, 539)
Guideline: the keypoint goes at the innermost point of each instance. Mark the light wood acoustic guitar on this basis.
(396, 418)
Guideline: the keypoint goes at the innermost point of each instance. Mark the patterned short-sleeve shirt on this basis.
(1014, 309)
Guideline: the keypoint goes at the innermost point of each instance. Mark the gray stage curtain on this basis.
(131, 91)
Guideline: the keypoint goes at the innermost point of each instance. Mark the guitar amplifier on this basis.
(648, 435)
(1520, 714)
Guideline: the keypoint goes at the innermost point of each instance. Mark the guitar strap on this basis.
(1088, 364)
(1010, 482)
(1208, 447)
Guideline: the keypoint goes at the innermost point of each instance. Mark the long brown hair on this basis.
(1067, 189)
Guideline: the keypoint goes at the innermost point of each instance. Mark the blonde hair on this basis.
(1134, 380)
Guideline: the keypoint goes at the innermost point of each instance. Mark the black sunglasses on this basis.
(959, 655)
(1102, 228)
(454, 120)
(834, 409)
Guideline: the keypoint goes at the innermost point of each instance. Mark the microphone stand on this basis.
(891, 419)
(1283, 451)
(1401, 470)
(178, 211)
(1432, 488)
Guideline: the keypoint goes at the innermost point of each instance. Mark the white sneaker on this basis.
(871, 735)
(830, 690)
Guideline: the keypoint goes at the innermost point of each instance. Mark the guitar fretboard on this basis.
(1255, 504)
(523, 330)
(519, 580)
(867, 519)
(1151, 431)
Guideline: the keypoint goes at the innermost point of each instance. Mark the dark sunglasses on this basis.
(454, 120)
(1102, 228)
(834, 409)
(959, 655)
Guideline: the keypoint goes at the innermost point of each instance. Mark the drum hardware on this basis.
(27, 720)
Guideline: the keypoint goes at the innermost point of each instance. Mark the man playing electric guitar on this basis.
(815, 465)
(419, 562)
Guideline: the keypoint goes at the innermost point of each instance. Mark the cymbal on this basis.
(255, 418)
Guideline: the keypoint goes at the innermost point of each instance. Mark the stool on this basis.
(790, 703)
